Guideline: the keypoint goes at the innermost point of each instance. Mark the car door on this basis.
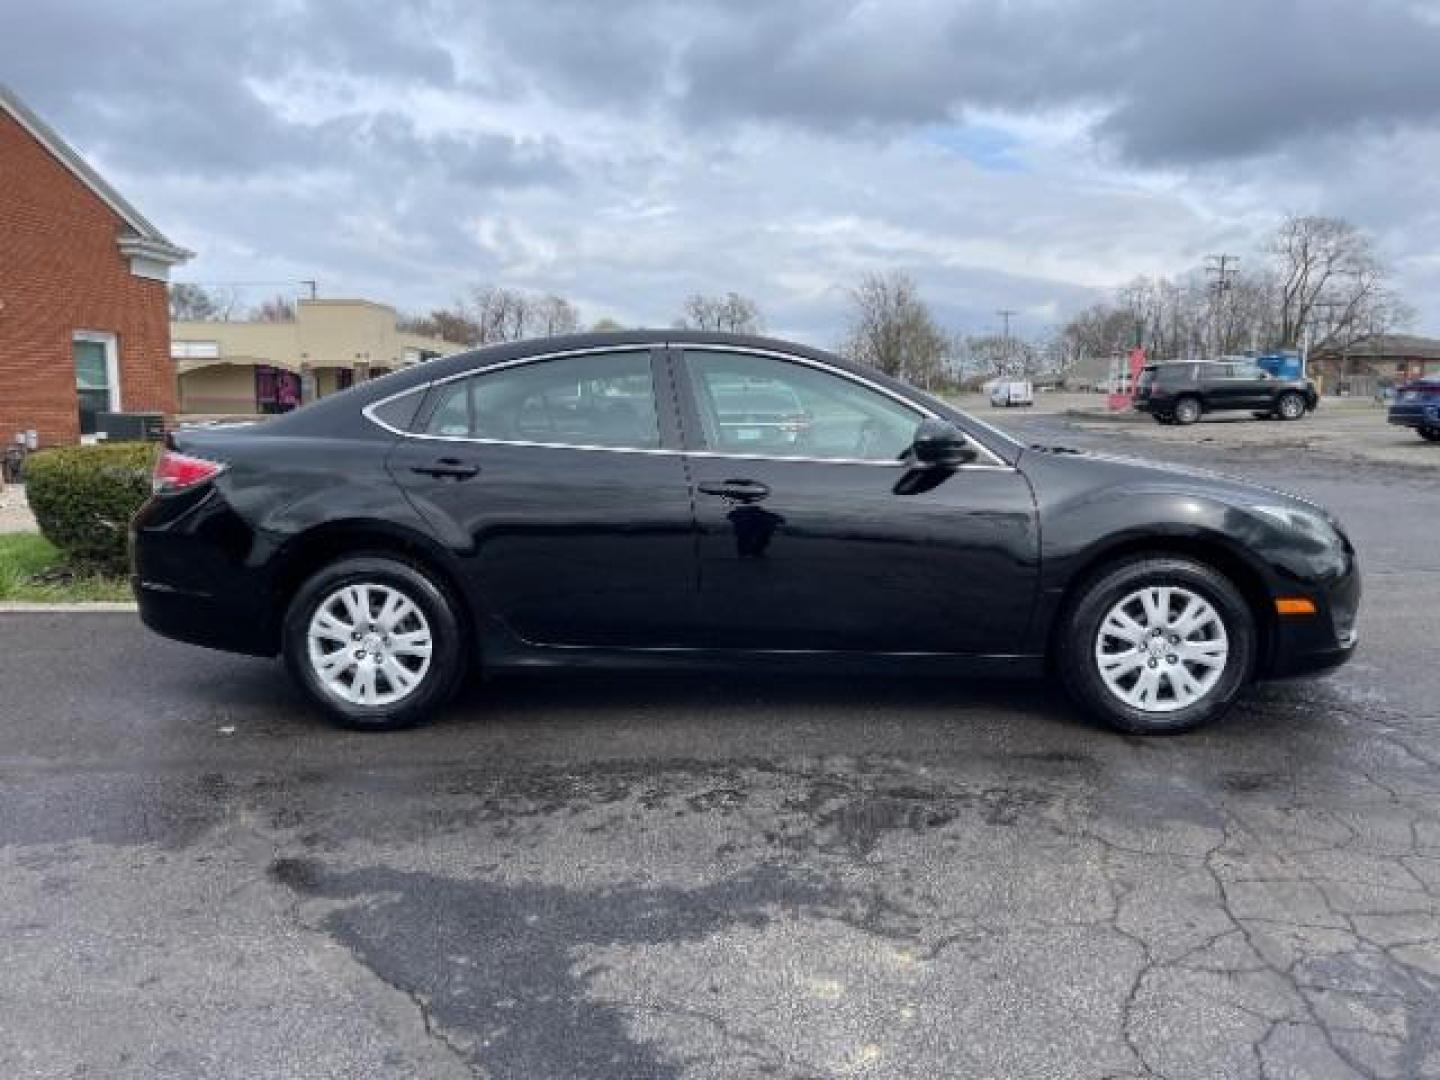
(1254, 389)
(816, 535)
(1217, 387)
(560, 483)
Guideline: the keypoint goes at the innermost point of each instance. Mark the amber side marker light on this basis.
(1295, 606)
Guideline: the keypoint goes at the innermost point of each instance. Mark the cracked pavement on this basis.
(697, 876)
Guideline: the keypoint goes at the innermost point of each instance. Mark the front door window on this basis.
(762, 406)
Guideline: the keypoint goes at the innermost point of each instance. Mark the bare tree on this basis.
(191, 303)
(732, 313)
(448, 324)
(892, 329)
(551, 316)
(277, 309)
(1322, 260)
(500, 314)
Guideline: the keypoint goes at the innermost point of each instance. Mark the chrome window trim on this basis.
(996, 464)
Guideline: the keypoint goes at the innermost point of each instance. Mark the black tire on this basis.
(1429, 434)
(1080, 626)
(1290, 406)
(447, 665)
(1187, 411)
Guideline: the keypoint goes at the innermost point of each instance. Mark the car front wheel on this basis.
(1157, 645)
(375, 642)
(1430, 434)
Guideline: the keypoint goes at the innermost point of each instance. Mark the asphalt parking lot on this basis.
(732, 877)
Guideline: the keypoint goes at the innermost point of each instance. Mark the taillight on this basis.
(176, 472)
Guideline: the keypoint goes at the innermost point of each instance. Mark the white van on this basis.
(1008, 392)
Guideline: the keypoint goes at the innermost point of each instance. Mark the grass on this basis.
(32, 569)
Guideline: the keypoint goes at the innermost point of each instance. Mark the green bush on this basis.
(84, 496)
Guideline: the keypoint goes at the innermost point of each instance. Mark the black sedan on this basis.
(603, 500)
(1417, 405)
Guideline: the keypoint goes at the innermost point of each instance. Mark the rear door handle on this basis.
(447, 466)
(745, 491)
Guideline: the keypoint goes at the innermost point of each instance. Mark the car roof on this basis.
(491, 355)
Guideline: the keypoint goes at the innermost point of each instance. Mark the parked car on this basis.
(754, 415)
(1417, 405)
(1180, 393)
(496, 508)
(1008, 393)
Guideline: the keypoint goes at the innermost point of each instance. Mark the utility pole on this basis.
(1222, 266)
(1005, 314)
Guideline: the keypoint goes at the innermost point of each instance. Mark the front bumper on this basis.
(1308, 644)
(1415, 416)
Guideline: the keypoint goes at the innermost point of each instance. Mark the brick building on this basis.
(1362, 367)
(84, 315)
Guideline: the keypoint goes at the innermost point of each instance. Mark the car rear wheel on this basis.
(1430, 434)
(375, 642)
(1157, 645)
(1187, 410)
(1290, 406)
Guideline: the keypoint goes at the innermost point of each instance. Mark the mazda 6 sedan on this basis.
(605, 500)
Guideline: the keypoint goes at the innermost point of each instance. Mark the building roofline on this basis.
(151, 242)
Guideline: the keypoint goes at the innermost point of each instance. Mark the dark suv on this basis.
(1182, 393)
(1417, 405)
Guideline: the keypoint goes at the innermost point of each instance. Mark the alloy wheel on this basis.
(1161, 649)
(1291, 407)
(369, 644)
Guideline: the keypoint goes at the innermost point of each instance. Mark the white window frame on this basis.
(112, 363)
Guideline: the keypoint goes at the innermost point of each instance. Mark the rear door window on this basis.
(604, 401)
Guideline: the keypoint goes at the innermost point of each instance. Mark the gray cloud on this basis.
(1018, 154)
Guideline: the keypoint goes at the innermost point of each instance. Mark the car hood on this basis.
(1118, 469)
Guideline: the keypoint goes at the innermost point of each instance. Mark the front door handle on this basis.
(450, 467)
(745, 491)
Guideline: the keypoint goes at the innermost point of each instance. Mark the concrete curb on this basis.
(22, 607)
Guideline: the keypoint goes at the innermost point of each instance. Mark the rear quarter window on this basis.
(399, 412)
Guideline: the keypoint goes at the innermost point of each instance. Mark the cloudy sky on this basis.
(1026, 155)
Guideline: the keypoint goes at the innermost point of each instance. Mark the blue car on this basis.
(1417, 405)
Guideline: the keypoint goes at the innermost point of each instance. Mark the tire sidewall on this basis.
(447, 661)
(1290, 399)
(1078, 634)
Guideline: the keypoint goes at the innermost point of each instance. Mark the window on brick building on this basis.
(97, 377)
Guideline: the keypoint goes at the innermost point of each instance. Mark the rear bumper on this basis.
(192, 579)
(198, 619)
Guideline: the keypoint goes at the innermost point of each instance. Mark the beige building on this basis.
(243, 368)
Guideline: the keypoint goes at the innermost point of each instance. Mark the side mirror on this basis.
(939, 444)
